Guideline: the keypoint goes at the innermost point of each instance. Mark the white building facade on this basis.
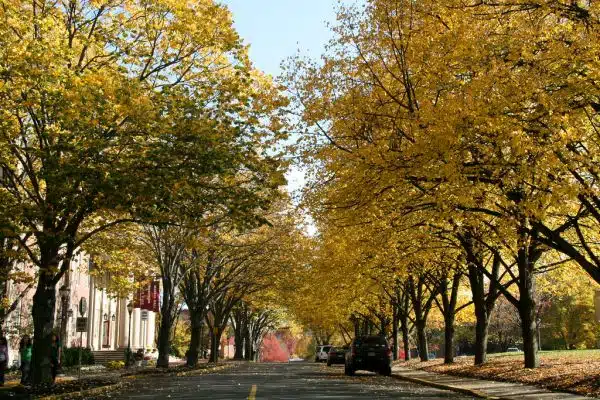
(108, 320)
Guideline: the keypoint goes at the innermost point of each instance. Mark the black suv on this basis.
(371, 353)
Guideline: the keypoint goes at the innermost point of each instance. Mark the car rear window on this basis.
(372, 340)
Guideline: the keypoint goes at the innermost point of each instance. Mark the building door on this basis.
(106, 334)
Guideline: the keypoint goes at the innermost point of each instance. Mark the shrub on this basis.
(70, 356)
(116, 365)
(139, 355)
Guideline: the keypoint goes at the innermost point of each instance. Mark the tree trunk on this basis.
(421, 308)
(404, 310)
(482, 324)
(422, 341)
(64, 305)
(197, 316)
(194, 349)
(383, 324)
(42, 311)
(483, 303)
(527, 312)
(239, 319)
(44, 302)
(405, 340)
(215, 340)
(239, 346)
(395, 331)
(449, 295)
(449, 338)
(248, 345)
(356, 322)
(166, 321)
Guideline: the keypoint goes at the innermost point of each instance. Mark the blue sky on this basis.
(277, 29)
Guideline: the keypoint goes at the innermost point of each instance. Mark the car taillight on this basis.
(353, 350)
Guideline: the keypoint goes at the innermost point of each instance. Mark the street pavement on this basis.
(301, 381)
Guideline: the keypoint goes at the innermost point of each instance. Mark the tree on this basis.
(568, 319)
(119, 106)
(240, 321)
(198, 291)
(167, 245)
(451, 109)
(422, 297)
(121, 253)
(504, 326)
(260, 322)
(449, 284)
(484, 294)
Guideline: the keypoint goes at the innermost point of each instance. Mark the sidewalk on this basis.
(12, 383)
(482, 388)
(71, 374)
(93, 382)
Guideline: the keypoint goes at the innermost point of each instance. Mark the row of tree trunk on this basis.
(489, 276)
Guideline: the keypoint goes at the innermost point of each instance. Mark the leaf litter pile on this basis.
(569, 371)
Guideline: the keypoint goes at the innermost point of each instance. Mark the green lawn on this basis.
(550, 354)
(570, 353)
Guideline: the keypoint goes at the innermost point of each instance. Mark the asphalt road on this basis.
(302, 381)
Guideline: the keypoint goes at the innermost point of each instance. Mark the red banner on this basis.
(154, 296)
(148, 297)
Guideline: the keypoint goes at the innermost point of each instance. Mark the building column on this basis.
(109, 314)
(135, 328)
(89, 337)
(101, 320)
(150, 330)
(123, 318)
(114, 325)
(144, 332)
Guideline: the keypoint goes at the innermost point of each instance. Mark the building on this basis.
(108, 317)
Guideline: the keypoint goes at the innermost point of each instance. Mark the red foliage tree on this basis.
(273, 350)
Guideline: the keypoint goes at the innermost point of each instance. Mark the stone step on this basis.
(104, 357)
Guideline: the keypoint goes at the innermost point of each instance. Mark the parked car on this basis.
(337, 355)
(321, 353)
(371, 353)
(513, 350)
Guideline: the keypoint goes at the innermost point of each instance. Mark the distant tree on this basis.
(504, 326)
(569, 319)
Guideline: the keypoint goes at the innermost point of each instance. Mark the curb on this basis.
(115, 386)
(204, 370)
(87, 392)
(8, 385)
(468, 392)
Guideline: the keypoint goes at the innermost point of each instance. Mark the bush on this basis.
(70, 356)
(139, 355)
(115, 365)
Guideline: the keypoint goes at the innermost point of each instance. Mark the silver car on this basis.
(322, 352)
